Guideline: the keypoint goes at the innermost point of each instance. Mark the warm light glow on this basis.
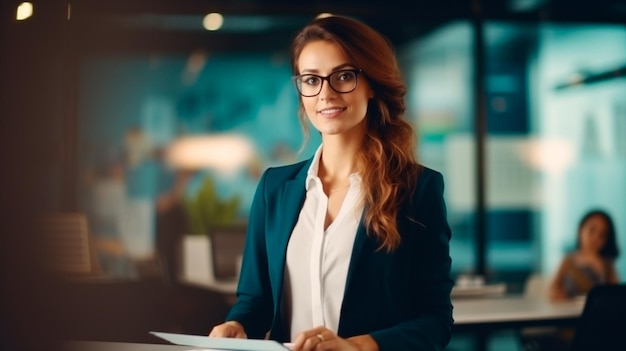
(24, 10)
(224, 153)
(213, 21)
(324, 15)
(549, 155)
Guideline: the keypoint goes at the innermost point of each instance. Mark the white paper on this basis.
(222, 344)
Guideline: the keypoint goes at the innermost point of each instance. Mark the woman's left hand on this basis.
(322, 339)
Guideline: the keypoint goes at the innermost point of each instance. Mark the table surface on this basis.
(487, 304)
(520, 310)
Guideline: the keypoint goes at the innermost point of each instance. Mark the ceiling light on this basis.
(213, 21)
(24, 10)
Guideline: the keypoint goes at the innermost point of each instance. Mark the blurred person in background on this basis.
(593, 260)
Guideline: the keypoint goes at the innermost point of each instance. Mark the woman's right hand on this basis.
(230, 329)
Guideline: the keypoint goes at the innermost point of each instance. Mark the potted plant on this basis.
(205, 210)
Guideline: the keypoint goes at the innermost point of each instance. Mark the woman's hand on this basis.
(230, 329)
(322, 339)
(557, 295)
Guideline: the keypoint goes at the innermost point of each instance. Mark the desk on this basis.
(477, 309)
(513, 311)
(490, 290)
(482, 316)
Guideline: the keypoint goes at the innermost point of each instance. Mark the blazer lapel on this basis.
(357, 249)
(349, 294)
(288, 204)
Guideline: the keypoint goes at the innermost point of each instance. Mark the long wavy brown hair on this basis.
(387, 161)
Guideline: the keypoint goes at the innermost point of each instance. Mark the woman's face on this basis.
(593, 234)
(330, 112)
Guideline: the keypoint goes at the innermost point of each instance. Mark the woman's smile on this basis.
(331, 111)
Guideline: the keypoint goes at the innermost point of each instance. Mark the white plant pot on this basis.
(197, 262)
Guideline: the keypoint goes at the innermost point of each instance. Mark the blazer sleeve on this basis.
(430, 325)
(254, 305)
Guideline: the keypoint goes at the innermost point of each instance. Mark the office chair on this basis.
(601, 326)
(67, 244)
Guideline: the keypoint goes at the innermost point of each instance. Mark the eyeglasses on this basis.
(343, 81)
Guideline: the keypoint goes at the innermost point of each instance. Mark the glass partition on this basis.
(439, 74)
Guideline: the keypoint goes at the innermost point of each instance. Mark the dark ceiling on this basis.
(268, 25)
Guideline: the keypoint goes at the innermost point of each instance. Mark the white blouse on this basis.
(317, 260)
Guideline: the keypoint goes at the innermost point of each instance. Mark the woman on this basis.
(348, 250)
(593, 261)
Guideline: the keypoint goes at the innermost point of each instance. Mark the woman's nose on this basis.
(326, 91)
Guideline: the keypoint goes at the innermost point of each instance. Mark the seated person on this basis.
(593, 260)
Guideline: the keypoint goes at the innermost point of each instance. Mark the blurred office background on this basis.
(127, 111)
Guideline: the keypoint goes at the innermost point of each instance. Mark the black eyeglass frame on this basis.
(356, 72)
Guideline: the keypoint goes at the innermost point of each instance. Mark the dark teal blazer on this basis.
(402, 299)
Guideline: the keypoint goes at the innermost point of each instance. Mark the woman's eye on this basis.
(311, 80)
(346, 76)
